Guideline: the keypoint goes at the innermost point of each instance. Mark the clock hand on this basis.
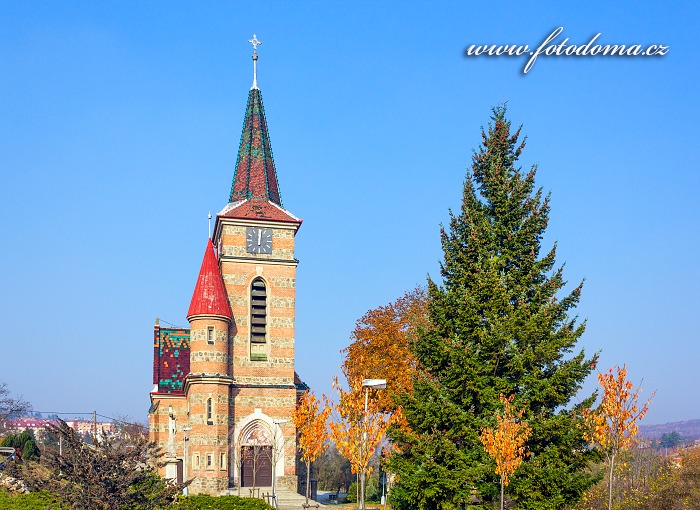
(259, 236)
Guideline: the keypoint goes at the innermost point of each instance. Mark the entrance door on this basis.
(256, 466)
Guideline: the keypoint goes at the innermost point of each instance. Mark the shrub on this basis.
(25, 442)
(113, 474)
(206, 502)
(372, 491)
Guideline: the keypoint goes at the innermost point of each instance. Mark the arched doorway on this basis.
(256, 455)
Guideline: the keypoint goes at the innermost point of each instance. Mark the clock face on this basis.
(258, 240)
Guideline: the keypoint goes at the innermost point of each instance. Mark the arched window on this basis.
(258, 320)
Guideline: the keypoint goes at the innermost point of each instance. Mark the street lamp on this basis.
(275, 423)
(375, 384)
(185, 439)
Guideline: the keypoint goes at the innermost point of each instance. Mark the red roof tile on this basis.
(209, 296)
(258, 210)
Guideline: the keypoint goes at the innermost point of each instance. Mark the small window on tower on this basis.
(210, 420)
(210, 461)
(222, 461)
(258, 320)
(195, 461)
(210, 335)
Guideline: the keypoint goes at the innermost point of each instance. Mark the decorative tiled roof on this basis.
(171, 359)
(257, 210)
(255, 177)
(209, 296)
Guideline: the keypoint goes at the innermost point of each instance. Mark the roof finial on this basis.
(254, 41)
(209, 217)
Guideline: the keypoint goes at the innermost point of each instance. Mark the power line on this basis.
(57, 413)
(120, 421)
(171, 324)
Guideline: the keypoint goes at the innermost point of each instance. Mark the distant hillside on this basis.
(689, 429)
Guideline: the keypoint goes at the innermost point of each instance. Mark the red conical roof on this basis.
(209, 296)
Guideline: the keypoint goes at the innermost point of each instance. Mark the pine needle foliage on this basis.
(497, 325)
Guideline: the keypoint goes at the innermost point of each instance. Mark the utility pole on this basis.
(275, 456)
(185, 439)
(94, 427)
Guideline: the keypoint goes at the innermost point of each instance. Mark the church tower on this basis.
(255, 239)
(226, 388)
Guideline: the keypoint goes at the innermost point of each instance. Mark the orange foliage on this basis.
(613, 425)
(312, 433)
(505, 443)
(380, 345)
(355, 433)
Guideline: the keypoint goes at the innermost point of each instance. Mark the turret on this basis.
(210, 316)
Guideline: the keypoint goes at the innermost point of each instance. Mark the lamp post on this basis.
(185, 439)
(275, 423)
(383, 501)
(375, 384)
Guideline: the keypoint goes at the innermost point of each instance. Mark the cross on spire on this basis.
(254, 41)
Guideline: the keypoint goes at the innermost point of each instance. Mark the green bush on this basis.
(31, 501)
(25, 442)
(372, 491)
(45, 501)
(205, 502)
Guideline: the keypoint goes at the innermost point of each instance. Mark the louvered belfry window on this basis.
(258, 312)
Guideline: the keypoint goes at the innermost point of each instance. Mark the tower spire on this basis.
(255, 176)
(254, 41)
(255, 192)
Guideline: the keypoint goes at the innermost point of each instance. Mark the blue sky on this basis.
(120, 121)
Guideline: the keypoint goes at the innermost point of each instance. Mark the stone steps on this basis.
(286, 499)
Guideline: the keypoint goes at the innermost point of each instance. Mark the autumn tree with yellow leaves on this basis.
(612, 426)
(358, 431)
(380, 346)
(312, 432)
(505, 443)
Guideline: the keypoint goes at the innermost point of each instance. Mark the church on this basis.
(225, 389)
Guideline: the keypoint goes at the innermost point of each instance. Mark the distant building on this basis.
(33, 424)
(38, 426)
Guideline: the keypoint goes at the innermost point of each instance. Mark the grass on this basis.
(31, 501)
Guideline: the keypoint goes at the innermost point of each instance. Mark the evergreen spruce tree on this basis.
(497, 325)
